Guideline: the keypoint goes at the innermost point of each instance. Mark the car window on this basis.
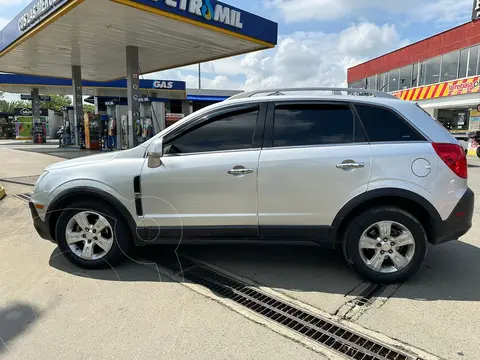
(231, 131)
(313, 124)
(384, 125)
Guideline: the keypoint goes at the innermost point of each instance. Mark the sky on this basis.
(318, 39)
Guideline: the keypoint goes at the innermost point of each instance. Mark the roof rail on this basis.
(335, 91)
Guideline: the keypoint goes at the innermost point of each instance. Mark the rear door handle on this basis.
(350, 166)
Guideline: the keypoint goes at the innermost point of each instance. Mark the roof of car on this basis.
(391, 102)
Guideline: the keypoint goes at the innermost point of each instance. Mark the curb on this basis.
(2, 192)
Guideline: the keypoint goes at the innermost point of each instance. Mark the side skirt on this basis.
(235, 235)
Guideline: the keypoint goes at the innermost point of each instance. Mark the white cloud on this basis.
(445, 11)
(300, 59)
(228, 66)
(209, 81)
(318, 59)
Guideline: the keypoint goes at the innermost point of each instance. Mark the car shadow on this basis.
(450, 273)
(15, 319)
(134, 268)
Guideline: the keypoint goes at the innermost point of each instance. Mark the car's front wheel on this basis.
(385, 244)
(92, 235)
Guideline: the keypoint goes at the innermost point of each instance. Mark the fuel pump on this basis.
(93, 128)
(152, 118)
(116, 135)
(67, 138)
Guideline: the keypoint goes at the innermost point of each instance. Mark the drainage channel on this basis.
(24, 197)
(349, 343)
(369, 295)
(22, 180)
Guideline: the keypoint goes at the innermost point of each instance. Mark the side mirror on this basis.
(155, 153)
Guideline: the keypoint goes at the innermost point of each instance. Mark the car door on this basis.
(207, 183)
(315, 159)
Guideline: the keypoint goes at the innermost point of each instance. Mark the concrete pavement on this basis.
(50, 309)
(17, 163)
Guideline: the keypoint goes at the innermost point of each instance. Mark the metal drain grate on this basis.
(173, 264)
(345, 341)
(24, 197)
(369, 295)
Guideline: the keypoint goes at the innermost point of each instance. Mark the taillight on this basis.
(454, 157)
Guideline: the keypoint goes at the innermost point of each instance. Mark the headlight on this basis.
(41, 177)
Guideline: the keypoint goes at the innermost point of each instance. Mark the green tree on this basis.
(57, 103)
(88, 108)
(9, 106)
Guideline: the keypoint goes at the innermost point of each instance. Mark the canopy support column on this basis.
(77, 101)
(95, 102)
(35, 111)
(132, 94)
(35, 105)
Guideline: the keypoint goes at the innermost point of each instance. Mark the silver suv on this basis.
(357, 170)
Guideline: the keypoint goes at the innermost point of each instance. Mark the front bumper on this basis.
(459, 221)
(41, 227)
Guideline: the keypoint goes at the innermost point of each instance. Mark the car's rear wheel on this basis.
(92, 235)
(478, 152)
(385, 244)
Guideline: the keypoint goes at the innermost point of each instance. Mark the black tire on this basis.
(122, 242)
(478, 152)
(368, 218)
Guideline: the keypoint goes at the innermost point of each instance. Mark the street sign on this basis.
(30, 97)
(28, 112)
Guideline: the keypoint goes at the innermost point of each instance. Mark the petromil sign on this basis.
(204, 8)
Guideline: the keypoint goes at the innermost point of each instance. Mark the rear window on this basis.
(383, 125)
(313, 124)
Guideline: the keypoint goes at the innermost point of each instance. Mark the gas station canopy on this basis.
(24, 84)
(105, 41)
(50, 36)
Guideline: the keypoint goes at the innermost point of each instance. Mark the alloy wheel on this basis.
(89, 235)
(387, 246)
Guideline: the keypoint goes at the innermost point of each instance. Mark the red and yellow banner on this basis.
(449, 88)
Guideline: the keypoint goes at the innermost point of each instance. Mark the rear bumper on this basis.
(40, 226)
(459, 222)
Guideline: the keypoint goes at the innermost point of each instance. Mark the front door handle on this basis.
(350, 165)
(240, 171)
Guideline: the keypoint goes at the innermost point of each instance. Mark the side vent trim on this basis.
(137, 190)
